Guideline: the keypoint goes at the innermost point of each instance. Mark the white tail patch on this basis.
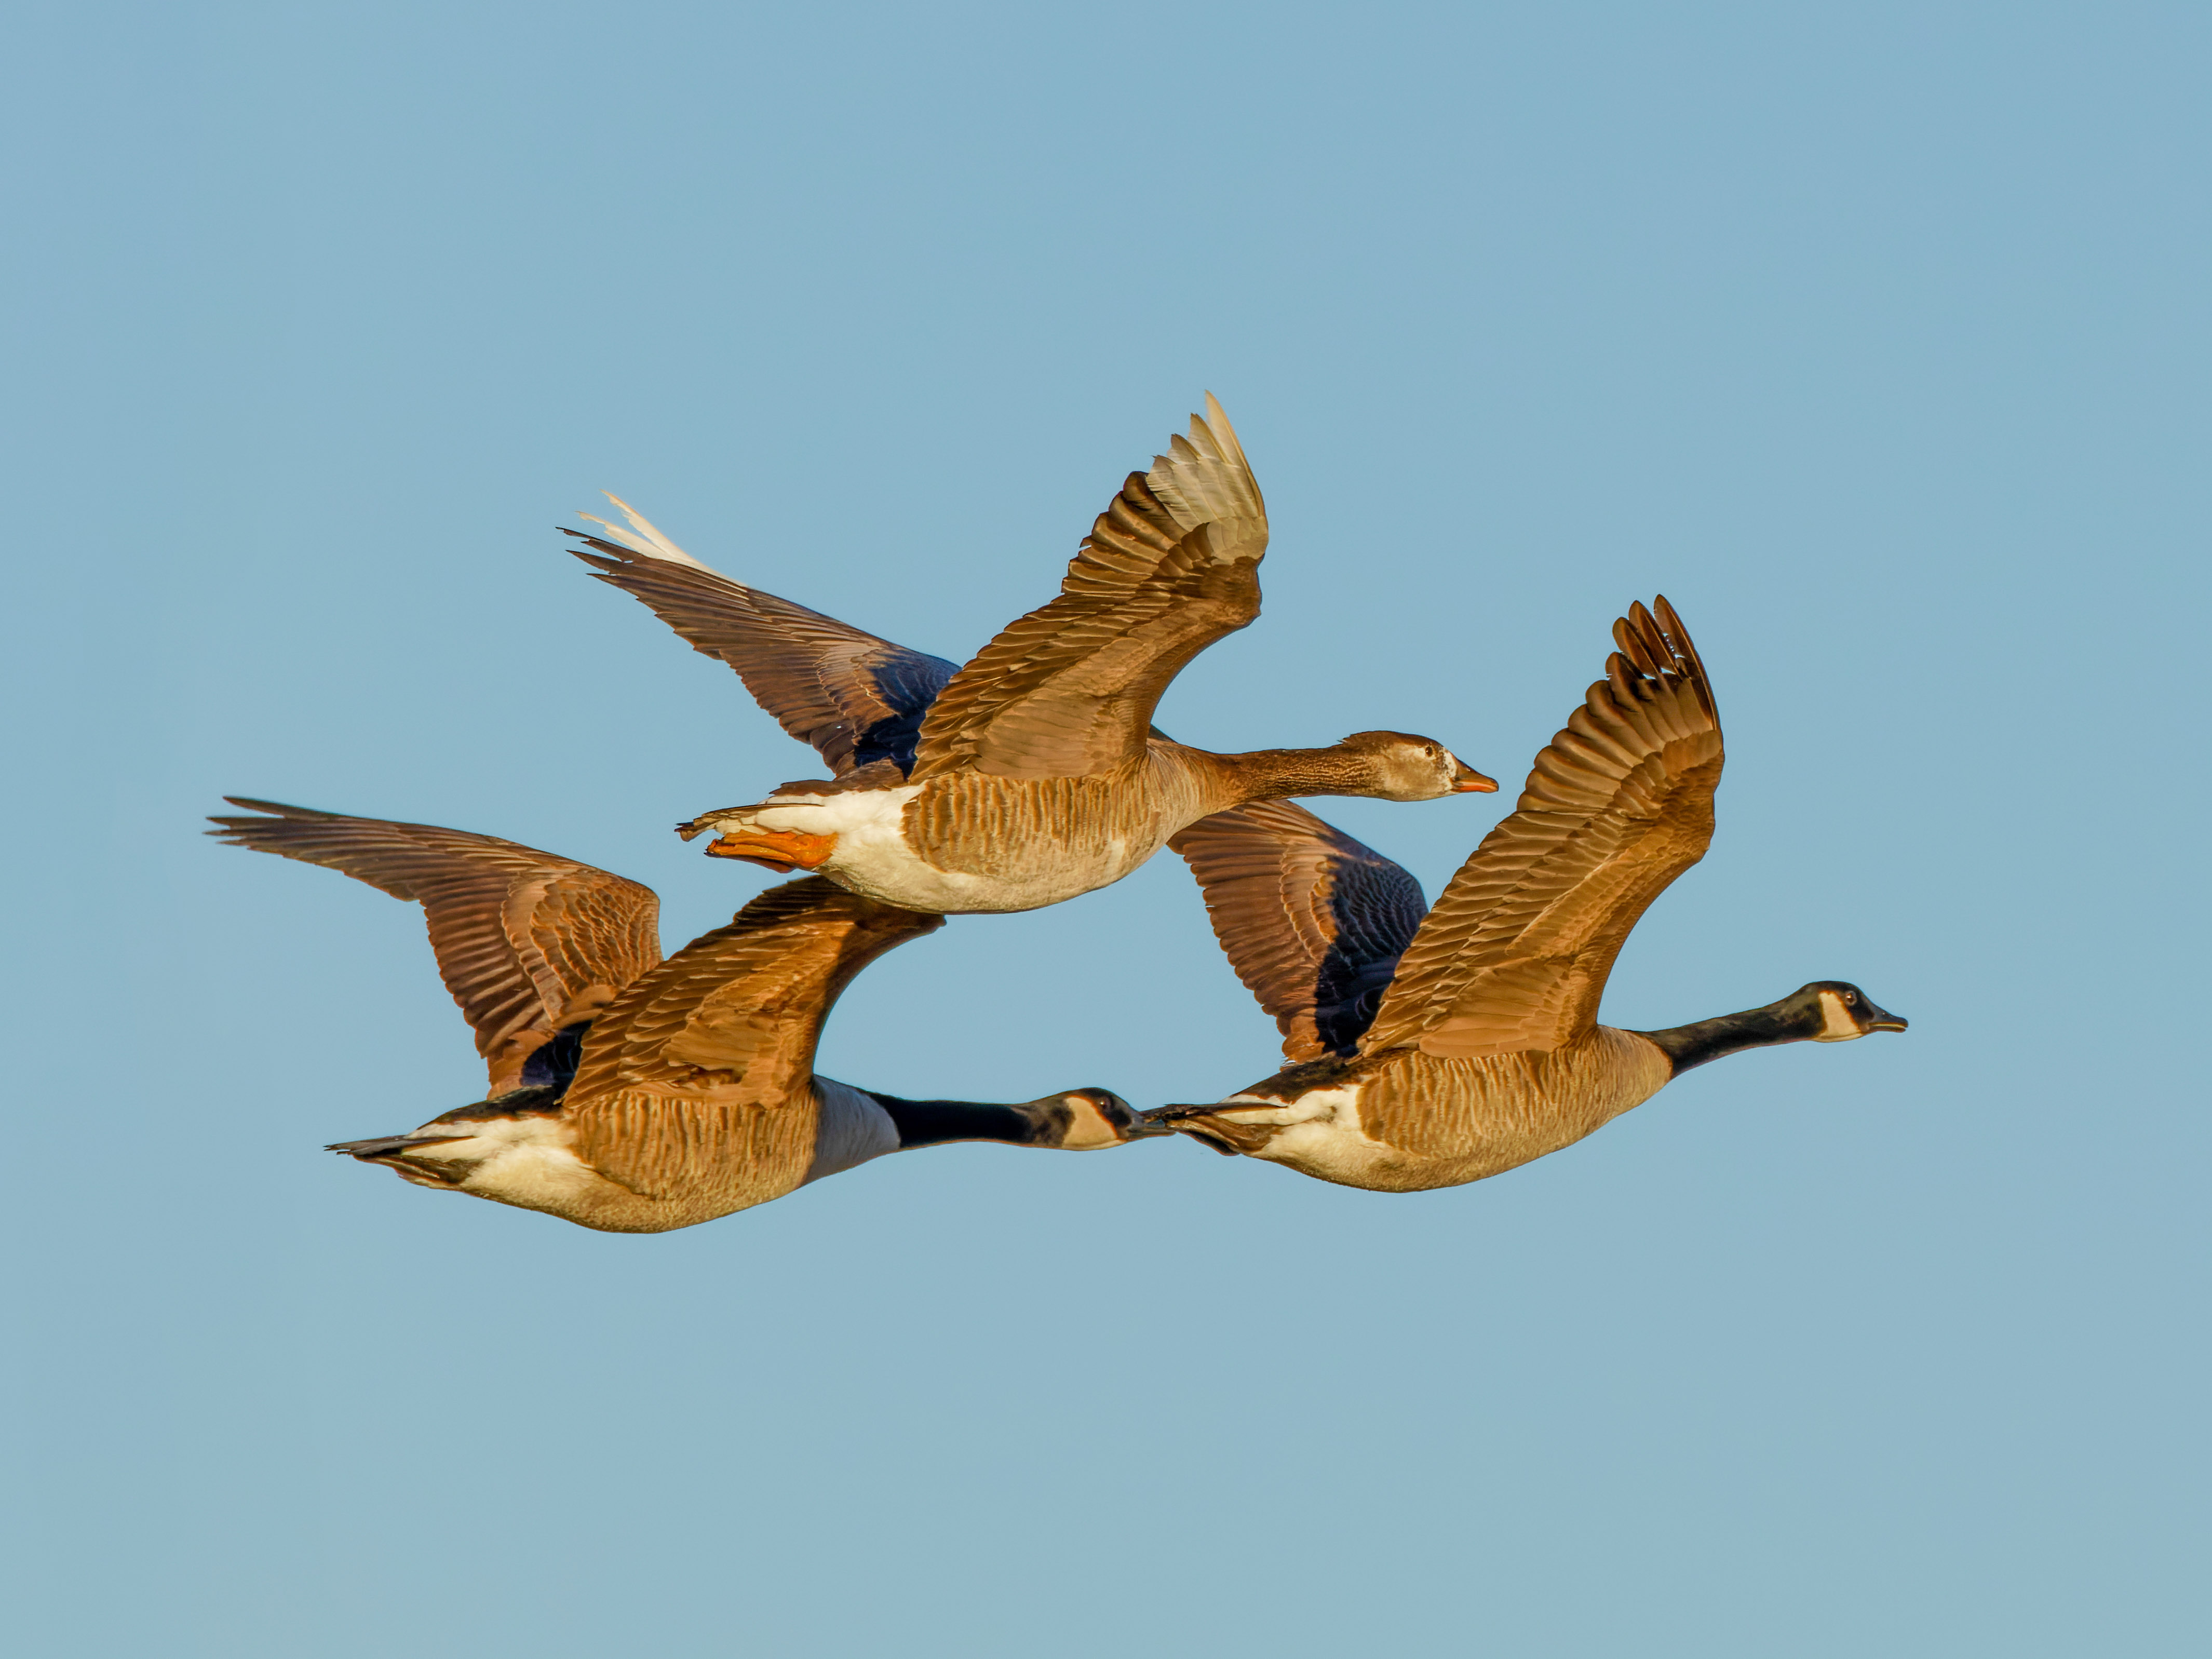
(643, 536)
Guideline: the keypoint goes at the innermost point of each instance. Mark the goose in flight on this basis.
(1429, 1050)
(628, 1093)
(1034, 773)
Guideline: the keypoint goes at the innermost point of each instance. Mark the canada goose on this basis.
(627, 1093)
(1428, 1052)
(1033, 774)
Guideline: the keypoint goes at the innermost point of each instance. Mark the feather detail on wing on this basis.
(1514, 955)
(723, 1030)
(1170, 567)
(1313, 921)
(855, 698)
(528, 943)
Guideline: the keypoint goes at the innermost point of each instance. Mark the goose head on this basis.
(1084, 1120)
(1835, 1011)
(1404, 766)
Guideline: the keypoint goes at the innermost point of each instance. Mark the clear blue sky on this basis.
(1874, 335)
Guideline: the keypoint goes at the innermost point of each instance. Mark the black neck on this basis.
(1727, 1034)
(933, 1122)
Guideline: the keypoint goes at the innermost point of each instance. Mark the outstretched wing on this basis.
(1172, 566)
(1514, 955)
(1313, 921)
(855, 698)
(526, 942)
(695, 1051)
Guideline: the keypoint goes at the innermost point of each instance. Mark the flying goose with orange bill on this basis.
(1033, 773)
(1428, 1050)
(629, 1093)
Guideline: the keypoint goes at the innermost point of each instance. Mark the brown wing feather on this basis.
(526, 941)
(852, 696)
(1312, 921)
(1069, 689)
(1516, 954)
(676, 1076)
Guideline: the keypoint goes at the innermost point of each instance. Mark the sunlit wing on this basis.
(527, 942)
(1516, 953)
(692, 1053)
(1313, 921)
(1170, 567)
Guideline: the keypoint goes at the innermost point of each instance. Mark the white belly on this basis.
(1320, 1134)
(874, 857)
(523, 1161)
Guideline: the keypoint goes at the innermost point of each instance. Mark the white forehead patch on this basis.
(1836, 1025)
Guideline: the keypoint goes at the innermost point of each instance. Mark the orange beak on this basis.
(1468, 782)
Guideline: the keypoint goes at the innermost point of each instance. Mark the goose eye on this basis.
(1851, 998)
(1430, 750)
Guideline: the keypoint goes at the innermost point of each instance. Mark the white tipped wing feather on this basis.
(643, 537)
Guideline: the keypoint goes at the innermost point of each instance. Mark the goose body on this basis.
(631, 1094)
(988, 835)
(1430, 1050)
(1032, 775)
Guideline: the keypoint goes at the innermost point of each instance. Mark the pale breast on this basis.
(1417, 1121)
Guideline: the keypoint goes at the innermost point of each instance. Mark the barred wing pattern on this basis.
(855, 698)
(527, 942)
(1516, 954)
(1312, 921)
(1170, 567)
(678, 1074)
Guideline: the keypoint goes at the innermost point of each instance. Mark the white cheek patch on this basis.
(1836, 1025)
(1089, 1129)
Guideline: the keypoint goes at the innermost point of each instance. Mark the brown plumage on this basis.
(852, 697)
(1486, 1051)
(1169, 567)
(1033, 773)
(528, 943)
(1514, 955)
(1313, 921)
(631, 1094)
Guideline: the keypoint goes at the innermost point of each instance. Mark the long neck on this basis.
(1727, 1034)
(933, 1122)
(1278, 774)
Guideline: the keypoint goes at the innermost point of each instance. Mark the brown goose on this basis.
(630, 1094)
(1035, 773)
(1485, 1051)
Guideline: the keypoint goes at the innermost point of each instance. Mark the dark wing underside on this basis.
(1313, 921)
(1514, 955)
(856, 698)
(1068, 691)
(528, 943)
(692, 1053)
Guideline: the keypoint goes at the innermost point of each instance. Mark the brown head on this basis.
(1408, 767)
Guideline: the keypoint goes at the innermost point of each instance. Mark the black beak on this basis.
(1879, 1020)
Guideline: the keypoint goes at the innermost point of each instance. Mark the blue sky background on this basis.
(1872, 335)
